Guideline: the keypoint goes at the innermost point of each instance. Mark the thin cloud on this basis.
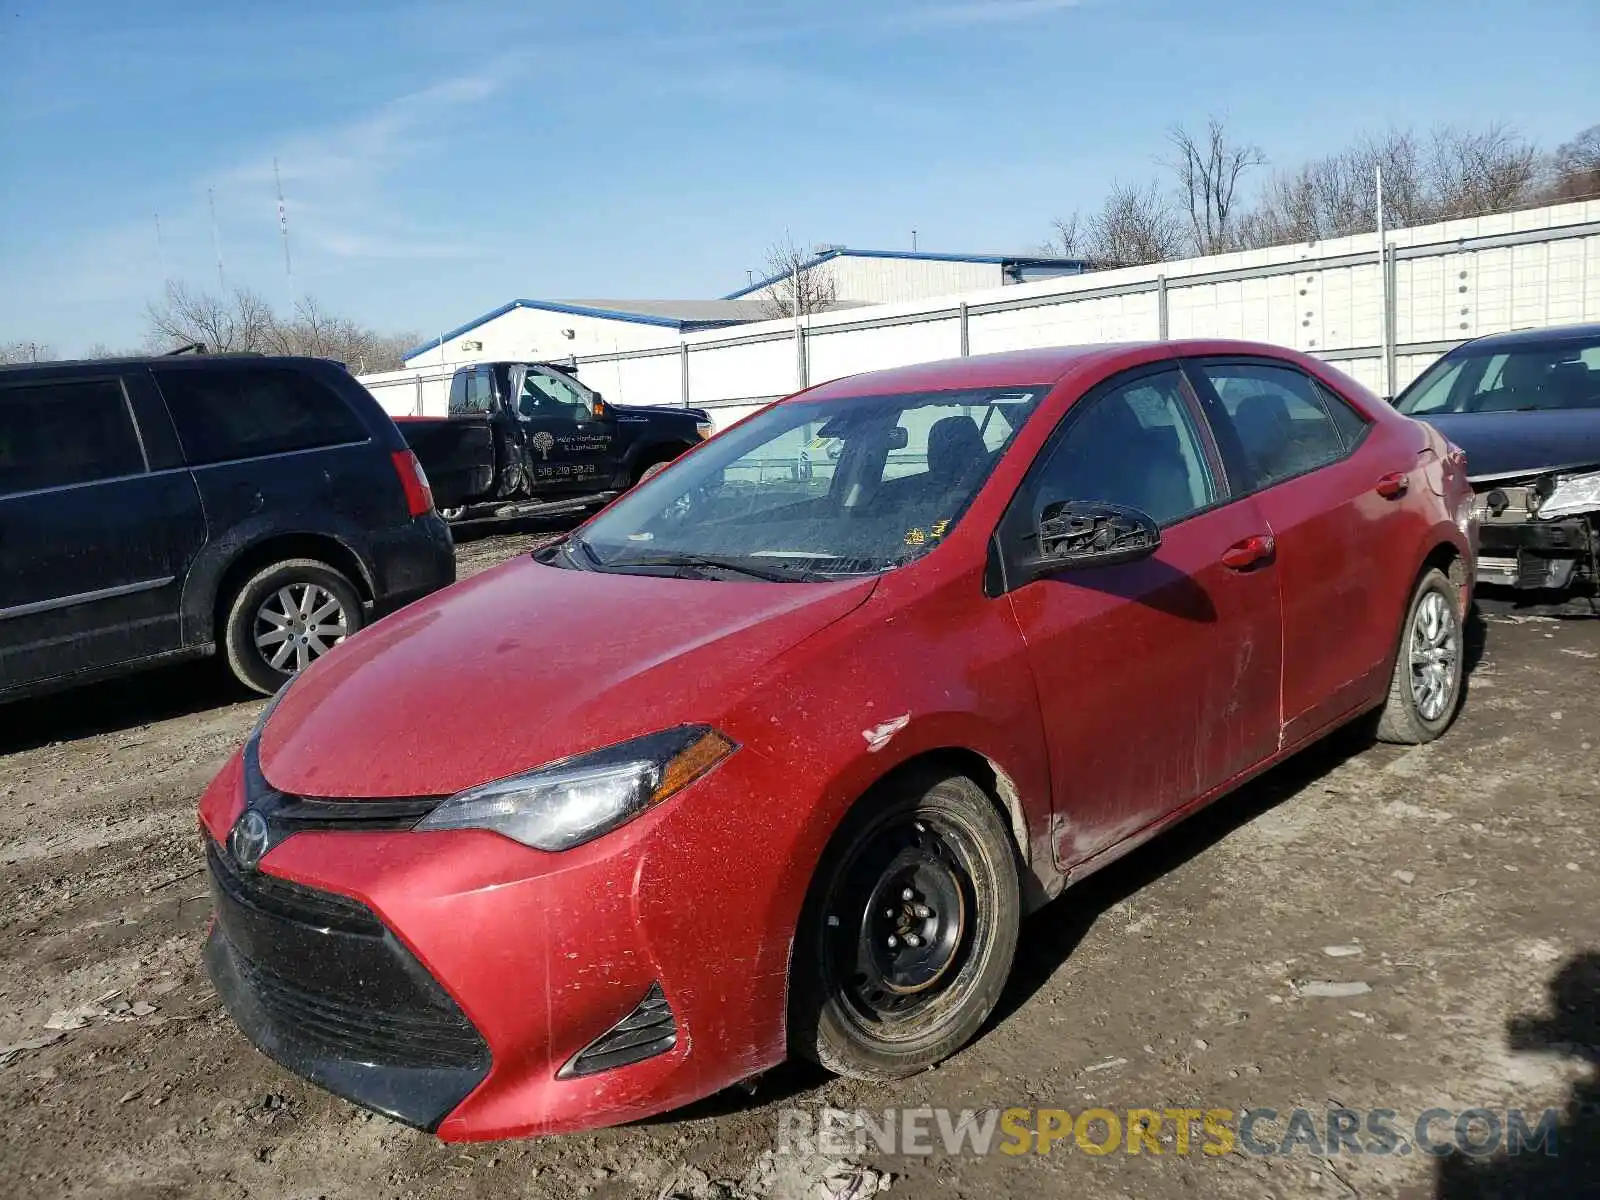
(981, 12)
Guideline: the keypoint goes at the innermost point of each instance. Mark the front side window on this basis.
(1279, 417)
(232, 413)
(57, 434)
(1526, 377)
(549, 394)
(819, 489)
(1135, 445)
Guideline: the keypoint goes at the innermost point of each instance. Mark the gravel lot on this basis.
(1459, 881)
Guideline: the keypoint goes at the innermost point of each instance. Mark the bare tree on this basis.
(793, 278)
(1576, 167)
(1208, 170)
(1471, 172)
(1451, 173)
(25, 352)
(1135, 225)
(245, 321)
(242, 321)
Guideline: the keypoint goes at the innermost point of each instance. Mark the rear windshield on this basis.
(1527, 377)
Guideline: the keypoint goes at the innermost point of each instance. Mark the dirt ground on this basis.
(1460, 882)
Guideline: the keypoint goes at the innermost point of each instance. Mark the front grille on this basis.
(650, 1029)
(279, 898)
(345, 1027)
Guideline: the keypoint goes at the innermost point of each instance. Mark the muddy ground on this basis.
(1460, 882)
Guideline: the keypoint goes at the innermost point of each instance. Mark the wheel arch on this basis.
(276, 548)
(1040, 882)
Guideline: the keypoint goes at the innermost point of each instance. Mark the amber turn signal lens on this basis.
(691, 762)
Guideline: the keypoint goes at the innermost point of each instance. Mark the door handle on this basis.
(1243, 555)
(1394, 485)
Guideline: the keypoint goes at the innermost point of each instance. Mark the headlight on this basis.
(1573, 494)
(705, 429)
(576, 800)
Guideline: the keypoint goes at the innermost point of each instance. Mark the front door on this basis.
(94, 547)
(569, 445)
(1158, 680)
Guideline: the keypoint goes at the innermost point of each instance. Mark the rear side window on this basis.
(56, 434)
(1279, 418)
(472, 391)
(225, 414)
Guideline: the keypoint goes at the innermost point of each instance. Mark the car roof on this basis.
(198, 361)
(1541, 336)
(1024, 368)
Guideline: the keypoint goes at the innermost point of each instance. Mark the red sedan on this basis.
(770, 757)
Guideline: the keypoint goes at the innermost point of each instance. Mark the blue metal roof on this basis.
(999, 260)
(579, 310)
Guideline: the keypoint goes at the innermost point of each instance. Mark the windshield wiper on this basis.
(712, 562)
(588, 551)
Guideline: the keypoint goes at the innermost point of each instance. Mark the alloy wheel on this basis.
(1435, 651)
(297, 624)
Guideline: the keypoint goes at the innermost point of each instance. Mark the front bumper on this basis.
(541, 957)
(1534, 555)
(317, 983)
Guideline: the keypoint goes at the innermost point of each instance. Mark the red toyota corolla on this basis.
(771, 756)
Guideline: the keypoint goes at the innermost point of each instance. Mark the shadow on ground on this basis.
(125, 703)
(1568, 1163)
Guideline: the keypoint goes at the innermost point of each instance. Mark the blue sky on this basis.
(440, 159)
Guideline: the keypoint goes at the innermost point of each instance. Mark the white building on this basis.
(893, 276)
(559, 329)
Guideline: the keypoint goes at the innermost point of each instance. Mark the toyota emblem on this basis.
(248, 841)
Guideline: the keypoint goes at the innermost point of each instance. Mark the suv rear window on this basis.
(56, 434)
(230, 413)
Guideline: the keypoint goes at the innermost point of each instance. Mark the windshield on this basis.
(1526, 377)
(817, 490)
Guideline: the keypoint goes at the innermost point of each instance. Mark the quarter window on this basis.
(1135, 445)
(1278, 416)
(224, 414)
(53, 435)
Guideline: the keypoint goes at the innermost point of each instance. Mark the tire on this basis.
(868, 1001)
(651, 470)
(257, 610)
(1425, 690)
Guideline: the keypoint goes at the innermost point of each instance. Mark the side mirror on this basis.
(1091, 533)
(599, 406)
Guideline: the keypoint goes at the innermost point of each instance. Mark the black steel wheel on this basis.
(909, 930)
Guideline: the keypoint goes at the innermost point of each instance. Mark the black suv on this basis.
(165, 508)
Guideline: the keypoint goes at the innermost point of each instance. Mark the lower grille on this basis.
(346, 1028)
(650, 1029)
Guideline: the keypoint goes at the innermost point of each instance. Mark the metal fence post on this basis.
(801, 367)
(966, 331)
(683, 372)
(1161, 307)
(419, 395)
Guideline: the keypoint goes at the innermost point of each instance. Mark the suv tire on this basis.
(285, 617)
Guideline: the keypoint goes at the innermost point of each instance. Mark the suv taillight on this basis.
(419, 496)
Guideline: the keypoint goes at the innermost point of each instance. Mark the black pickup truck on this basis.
(529, 439)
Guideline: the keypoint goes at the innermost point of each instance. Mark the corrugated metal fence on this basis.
(1382, 322)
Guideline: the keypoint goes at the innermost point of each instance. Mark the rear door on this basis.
(94, 544)
(1302, 453)
(1158, 680)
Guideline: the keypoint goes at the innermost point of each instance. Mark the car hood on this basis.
(659, 410)
(1501, 444)
(526, 664)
